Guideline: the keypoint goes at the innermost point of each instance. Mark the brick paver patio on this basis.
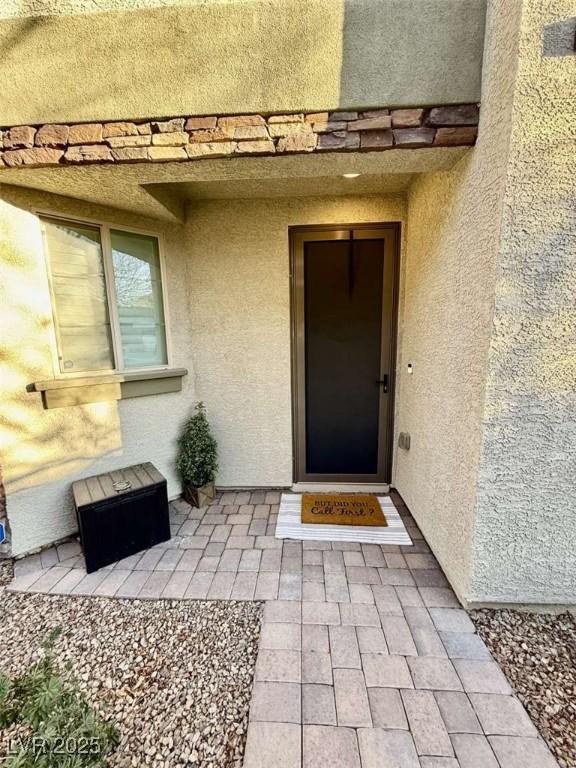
(366, 658)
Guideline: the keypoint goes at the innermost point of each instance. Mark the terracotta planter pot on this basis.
(199, 497)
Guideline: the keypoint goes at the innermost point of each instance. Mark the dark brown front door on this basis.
(344, 318)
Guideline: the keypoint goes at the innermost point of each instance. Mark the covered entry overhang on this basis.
(155, 167)
(164, 190)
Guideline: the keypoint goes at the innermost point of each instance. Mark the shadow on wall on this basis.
(239, 57)
(559, 39)
(430, 54)
(533, 352)
(280, 56)
(38, 446)
(31, 34)
(28, 28)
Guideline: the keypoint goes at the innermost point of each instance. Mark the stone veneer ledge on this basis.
(195, 138)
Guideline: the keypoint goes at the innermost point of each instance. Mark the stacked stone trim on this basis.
(212, 136)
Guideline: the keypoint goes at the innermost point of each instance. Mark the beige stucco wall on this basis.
(525, 532)
(62, 61)
(240, 311)
(445, 322)
(452, 237)
(490, 327)
(44, 451)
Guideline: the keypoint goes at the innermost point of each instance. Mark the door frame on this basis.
(390, 232)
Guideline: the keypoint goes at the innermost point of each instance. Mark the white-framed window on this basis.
(107, 296)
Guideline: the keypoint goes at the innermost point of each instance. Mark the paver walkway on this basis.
(366, 659)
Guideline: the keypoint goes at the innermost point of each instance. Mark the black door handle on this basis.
(384, 382)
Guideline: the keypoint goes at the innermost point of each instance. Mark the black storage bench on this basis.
(121, 513)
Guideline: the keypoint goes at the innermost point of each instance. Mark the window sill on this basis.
(64, 392)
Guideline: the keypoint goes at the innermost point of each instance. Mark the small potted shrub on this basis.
(197, 461)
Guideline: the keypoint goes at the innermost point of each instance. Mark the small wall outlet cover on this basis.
(410, 370)
(404, 440)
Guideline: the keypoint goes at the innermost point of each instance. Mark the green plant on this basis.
(197, 461)
(61, 729)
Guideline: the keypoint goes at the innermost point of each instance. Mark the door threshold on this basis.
(341, 488)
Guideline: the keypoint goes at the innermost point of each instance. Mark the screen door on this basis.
(344, 289)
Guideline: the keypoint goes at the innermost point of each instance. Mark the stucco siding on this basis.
(445, 329)
(240, 313)
(488, 323)
(152, 59)
(452, 239)
(525, 531)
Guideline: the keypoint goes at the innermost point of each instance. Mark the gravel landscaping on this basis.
(6, 572)
(537, 652)
(174, 676)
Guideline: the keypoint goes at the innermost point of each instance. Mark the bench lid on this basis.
(120, 482)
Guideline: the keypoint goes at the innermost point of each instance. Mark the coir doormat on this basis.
(290, 526)
(342, 509)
